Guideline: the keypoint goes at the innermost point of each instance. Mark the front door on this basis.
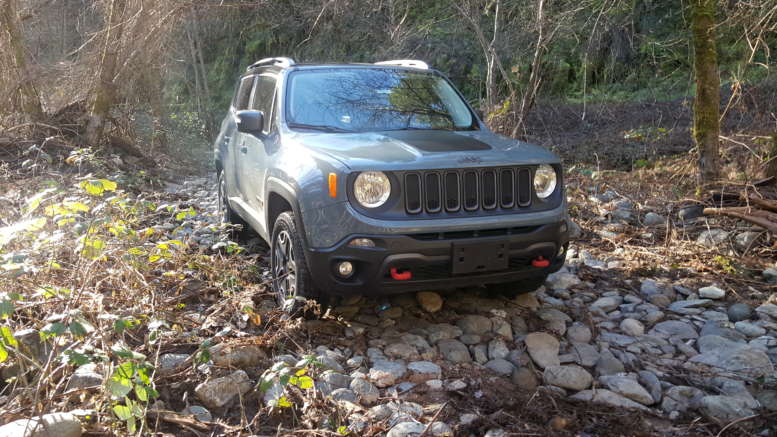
(254, 149)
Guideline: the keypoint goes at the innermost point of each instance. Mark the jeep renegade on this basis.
(380, 178)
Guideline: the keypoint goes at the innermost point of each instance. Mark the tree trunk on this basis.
(30, 100)
(104, 91)
(706, 107)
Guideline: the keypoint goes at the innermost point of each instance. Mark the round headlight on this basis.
(544, 181)
(372, 188)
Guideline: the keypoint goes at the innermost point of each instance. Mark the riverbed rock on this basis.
(218, 392)
(47, 425)
(543, 349)
(430, 301)
(572, 377)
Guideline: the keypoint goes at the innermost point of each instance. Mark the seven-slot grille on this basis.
(469, 190)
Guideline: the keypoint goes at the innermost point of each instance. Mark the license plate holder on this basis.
(479, 257)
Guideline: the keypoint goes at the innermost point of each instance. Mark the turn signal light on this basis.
(333, 185)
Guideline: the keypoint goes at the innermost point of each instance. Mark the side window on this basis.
(243, 93)
(263, 99)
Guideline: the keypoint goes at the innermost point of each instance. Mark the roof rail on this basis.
(279, 61)
(413, 63)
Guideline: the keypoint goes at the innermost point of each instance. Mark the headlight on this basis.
(372, 188)
(544, 181)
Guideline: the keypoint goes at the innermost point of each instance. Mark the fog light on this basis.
(361, 242)
(345, 269)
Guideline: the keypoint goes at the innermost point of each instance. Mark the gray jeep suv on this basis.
(380, 178)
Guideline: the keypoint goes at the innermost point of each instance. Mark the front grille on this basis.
(486, 189)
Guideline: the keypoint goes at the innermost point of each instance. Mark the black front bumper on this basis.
(428, 258)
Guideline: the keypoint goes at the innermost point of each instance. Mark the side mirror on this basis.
(249, 121)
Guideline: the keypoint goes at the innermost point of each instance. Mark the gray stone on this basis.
(584, 354)
(688, 307)
(749, 329)
(402, 351)
(343, 394)
(767, 399)
(237, 355)
(479, 353)
(502, 328)
(744, 240)
(571, 377)
(653, 219)
(442, 331)
(454, 351)
(85, 376)
(171, 361)
(650, 381)
(421, 371)
(649, 287)
(607, 304)
(365, 391)
(552, 314)
(497, 349)
(767, 309)
(330, 363)
(628, 388)
(617, 339)
(387, 372)
(680, 398)
(470, 339)
(674, 328)
(770, 275)
(607, 364)
(199, 412)
(739, 312)
(218, 392)
(632, 327)
(607, 397)
(562, 280)
(712, 292)
(579, 333)
(500, 366)
(47, 425)
(543, 349)
(723, 354)
(495, 432)
(712, 238)
(724, 409)
(474, 324)
(722, 329)
(336, 380)
(406, 429)
(440, 429)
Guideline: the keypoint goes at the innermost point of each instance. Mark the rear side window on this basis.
(243, 93)
(263, 99)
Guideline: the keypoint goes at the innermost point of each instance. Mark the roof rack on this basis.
(279, 61)
(413, 63)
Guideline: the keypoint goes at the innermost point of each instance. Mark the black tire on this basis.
(226, 213)
(291, 279)
(511, 290)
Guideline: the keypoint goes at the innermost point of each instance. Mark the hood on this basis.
(423, 149)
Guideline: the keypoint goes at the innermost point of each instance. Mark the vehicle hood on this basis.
(423, 149)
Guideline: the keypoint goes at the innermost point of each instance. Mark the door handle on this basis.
(243, 148)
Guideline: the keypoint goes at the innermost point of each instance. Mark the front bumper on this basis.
(428, 257)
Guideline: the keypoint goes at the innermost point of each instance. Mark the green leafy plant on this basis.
(131, 382)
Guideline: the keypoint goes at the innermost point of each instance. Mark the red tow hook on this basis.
(404, 276)
(540, 262)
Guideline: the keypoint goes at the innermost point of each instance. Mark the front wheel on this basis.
(291, 280)
(513, 289)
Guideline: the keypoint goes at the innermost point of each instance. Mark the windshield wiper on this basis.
(318, 127)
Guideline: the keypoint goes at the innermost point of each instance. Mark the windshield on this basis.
(363, 100)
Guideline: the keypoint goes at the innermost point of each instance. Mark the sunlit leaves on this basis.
(185, 213)
(34, 202)
(7, 340)
(96, 187)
